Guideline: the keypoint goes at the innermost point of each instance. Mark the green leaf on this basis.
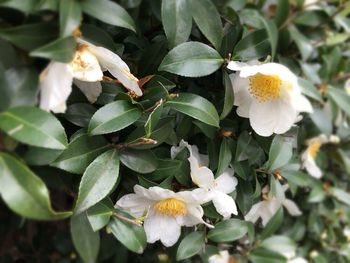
(131, 236)
(99, 179)
(190, 245)
(340, 194)
(192, 59)
(261, 255)
(153, 119)
(279, 244)
(208, 20)
(296, 177)
(70, 16)
(177, 21)
(195, 106)
(33, 126)
(228, 230)
(302, 42)
(309, 89)
(341, 98)
(113, 117)
(41, 156)
(282, 12)
(99, 215)
(80, 153)
(61, 50)
(24, 192)
(85, 240)
(280, 153)
(225, 156)
(253, 46)
(229, 96)
(272, 33)
(273, 225)
(19, 86)
(141, 161)
(108, 12)
(80, 114)
(29, 36)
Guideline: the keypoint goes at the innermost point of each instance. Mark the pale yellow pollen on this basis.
(265, 87)
(313, 148)
(83, 59)
(171, 207)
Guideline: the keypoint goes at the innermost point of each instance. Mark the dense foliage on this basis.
(209, 115)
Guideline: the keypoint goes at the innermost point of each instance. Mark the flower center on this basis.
(313, 149)
(171, 207)
(265, 87)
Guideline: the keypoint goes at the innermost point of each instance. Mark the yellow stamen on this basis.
(171, 207)
(314, 148)
(265, 87)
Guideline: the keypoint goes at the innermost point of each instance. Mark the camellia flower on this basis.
(86, 69)
(309, 155)
(222, 257)
(166, 211)
(267, 208)
(269, 95)
(217, 189)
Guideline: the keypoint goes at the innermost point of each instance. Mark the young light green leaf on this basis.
(24, 192)
(113, 117)
(208, 20)
(70, 16)
(108, 12)
(228, 230)
(280, 153)
(85, 240)
(131, 236)
(98, 180)
(177, 21)
(61, 50)
(229, 96)
(80, 153)
(141, 161)
(195, 106)
(190, 245)
(33, 126)
(191, 59)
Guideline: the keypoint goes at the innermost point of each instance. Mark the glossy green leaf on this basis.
(131, 236)
(225, 156)
(98, 180)
(80, 114)
(177, 21)
(85, 240)
(302, 42)
(80, 153)
(113, 117)
(24, 192)
(70, 16)
(190, 245)
(340, 194)
(19, 87)
(229, 96)
(272, 33)
(340, 98)
(41, 156)
(195, 106)
(61, 50)
(153, 119)
(281, 151)
(99, 215)
(282, 12)
(108, 12)
(273, 225)
(208, 20)
(184, 59)
(261, 255)
(253, 46)
(228, 230)
(309, 89)
(29, 36)
(141, 161)
(33, 126)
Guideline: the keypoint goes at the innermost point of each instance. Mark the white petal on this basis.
(226, 182)
(291, 207)
(134, 204)
(242, 98)
(237, 66)
(152, 227)
(55, 86)
(203, 177)
(302, 104)
(269, 69)
(117, 67)
(297, 260)
(90, 89)
(85, 66)
(224, 204)
(222, 257)
(269, 209)
(195, 197)
(254, 213)
(154, 193)
(271, 117)
(310, 165)
(193, 217)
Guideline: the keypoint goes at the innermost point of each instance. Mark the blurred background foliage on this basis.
(310, 38)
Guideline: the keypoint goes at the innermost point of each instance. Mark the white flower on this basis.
(86, 69)
(217, 189)
(222, 257)
(269, 95)
(267, 208)
(309, 155)
(167, 211)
